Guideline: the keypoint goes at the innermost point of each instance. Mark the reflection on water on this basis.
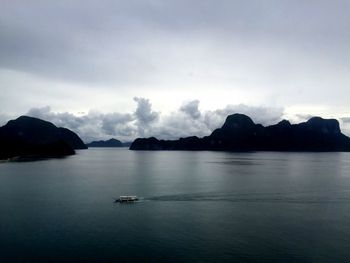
(238, 162)
(194, 207)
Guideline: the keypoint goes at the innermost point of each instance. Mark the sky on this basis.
(172, 68)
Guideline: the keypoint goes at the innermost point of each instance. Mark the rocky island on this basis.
(111, 143)
(240, 133)
(32, 137)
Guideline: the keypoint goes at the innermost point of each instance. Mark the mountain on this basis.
(109, 143)
(240, 133)
(28, 136)
(72, 139)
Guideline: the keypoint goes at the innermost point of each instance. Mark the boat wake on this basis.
(302, 198)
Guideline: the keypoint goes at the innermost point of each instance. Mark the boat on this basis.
(127, 199)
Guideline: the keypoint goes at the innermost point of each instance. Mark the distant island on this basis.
(240, 133)
(32, 137)
(111, 143)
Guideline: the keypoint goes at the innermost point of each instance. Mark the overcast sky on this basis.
(125, 69)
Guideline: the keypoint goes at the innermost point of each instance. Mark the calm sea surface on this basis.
(195, 207)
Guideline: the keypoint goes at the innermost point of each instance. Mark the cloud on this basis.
(75, 55)
(191, 109)
(144, 115)
(188, 120)
(346, 119)
(4, 119)
(303, 116)
(262, 115)
(114, 41)
(91, 126)
(117, 123)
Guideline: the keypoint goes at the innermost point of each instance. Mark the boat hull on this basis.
(127, 199)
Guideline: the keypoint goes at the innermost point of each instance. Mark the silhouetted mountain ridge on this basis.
(240, 133)
(28, 136)
(111, 143)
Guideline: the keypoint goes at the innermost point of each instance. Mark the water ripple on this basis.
(301, 198)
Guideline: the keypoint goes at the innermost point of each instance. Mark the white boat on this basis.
(127, 199)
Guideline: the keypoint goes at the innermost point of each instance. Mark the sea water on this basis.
(194, 207)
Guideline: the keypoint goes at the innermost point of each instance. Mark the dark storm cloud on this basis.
(109, 40)
(79, 55)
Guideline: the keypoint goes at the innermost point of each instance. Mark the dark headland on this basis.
(32, 137)
(240, 133)
(111, 143)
